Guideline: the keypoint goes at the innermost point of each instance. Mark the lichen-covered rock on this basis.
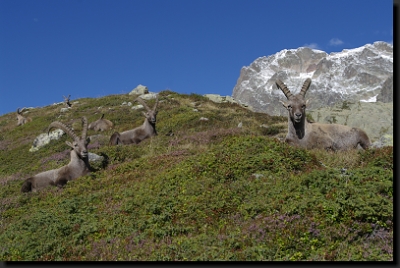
(137, 107)
(139, 90)
(44, 139)
(385, 140)
(96, 161)
(216, 98)
(148, 96)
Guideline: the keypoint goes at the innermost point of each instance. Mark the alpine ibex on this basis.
(66, 101)
(101, 124)
(77, 167)
(316, 135)
(136, 135)
(22, 119)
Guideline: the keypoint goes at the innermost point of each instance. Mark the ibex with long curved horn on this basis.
(22, 119)
(101, 124)
(136, 135)
(77, 167)
(316, 135)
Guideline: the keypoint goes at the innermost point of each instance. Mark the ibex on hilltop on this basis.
(316, 135)
(136, 135)
(77, 167)
(22, 119)
(66, 101)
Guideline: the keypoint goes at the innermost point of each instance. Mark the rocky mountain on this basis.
(363, 74)
(386, 94)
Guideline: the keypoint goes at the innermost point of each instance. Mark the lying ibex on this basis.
(101, 124)
(316, 135)
(77, 167)
(22, 119)
(136, 135)
(66, 101)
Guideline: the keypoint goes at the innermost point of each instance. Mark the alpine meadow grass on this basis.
(200, 190)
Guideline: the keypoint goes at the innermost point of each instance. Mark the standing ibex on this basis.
(136, 135)
(77, 167)
(101, 124)
(66, 101)
(316, 135)
(21, 119)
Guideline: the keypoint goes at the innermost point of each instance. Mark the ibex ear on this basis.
(87, 140)
(284, 104)
(69, 144)
(308, 101)
(144, 113)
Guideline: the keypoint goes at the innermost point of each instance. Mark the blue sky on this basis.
(94, 48)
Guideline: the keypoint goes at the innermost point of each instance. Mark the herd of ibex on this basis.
(300, 133)
(79, 163)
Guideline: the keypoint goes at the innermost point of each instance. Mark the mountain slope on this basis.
(200, 190)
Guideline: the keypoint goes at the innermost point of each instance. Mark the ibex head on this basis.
(296, 104)
(79, 144)
(151, 114)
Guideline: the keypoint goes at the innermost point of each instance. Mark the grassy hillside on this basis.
(210, 191)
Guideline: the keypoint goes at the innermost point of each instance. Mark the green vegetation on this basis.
(210, 191)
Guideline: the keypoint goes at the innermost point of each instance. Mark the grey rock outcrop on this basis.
(139, 90)
(95, 158)
(219, 99)
(96, 161)
(44, 139)
(148, 96)
(386, 94)
(137, 107)
(385, 140)
(224, 99)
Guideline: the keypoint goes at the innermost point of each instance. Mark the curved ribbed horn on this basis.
(305, 87)
(284, 89)
(57, 124)
(139, 99)
(155, 105)
(84, 127)
(20, 111)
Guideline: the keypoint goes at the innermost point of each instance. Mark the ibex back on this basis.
(101, 124)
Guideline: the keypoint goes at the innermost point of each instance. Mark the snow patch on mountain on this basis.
(353, 74)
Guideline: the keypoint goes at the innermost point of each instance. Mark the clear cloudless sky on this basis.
(94, 48)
